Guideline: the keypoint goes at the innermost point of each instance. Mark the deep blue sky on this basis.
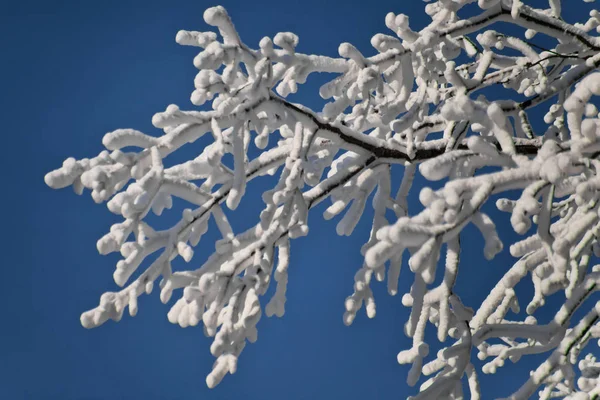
(72, 71)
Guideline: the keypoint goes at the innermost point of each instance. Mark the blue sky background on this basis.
(72, 71)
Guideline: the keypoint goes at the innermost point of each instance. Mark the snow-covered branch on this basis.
(411, 104)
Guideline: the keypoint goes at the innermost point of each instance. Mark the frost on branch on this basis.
(420, 102)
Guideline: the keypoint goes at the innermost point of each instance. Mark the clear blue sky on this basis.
(72, 71)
